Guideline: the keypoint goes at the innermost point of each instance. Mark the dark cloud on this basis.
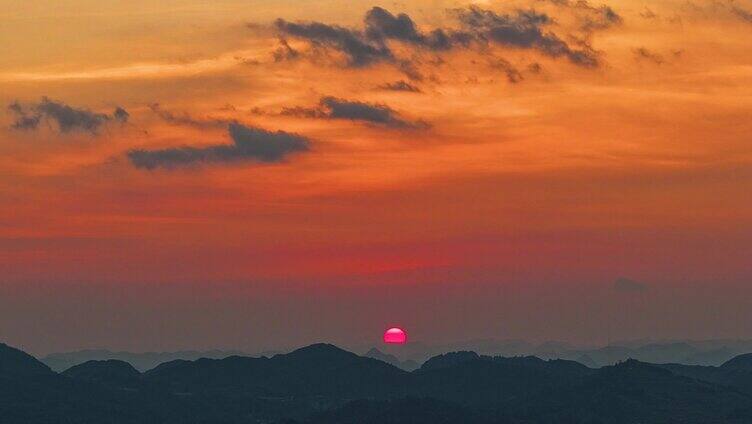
(381, 25)
(185, 119)
(369, 46)
(358, 50)
(642, 53)
(121, 115)
(524, 29)
(335, 108)
(249, 144)
(67, 118)
(400, 86)
(625, 285)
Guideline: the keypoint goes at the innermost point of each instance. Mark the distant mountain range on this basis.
(324, 384)
(141, 361)
(408, 365)
(709, 352)
(409, 357)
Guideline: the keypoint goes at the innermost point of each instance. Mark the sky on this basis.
(257, 174)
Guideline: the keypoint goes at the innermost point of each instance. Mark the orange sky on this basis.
(512, 168)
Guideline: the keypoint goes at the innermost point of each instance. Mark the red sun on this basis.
(395, 335)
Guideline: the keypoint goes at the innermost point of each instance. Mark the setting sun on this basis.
(395, 335)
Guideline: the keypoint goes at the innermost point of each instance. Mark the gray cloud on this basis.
(336, 108)
(382, 25)
(67, 118)
(524, 29)
(248, 144)
(358, 50)
(400, 86)
(625, 285)
(121, 115)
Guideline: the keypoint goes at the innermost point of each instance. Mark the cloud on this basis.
(742, 14)
(248, 144)
(642, 53)
(625, 285)
(336, 108)
(183, 118)
(121, 115)
(512, 73)
(358, 50)
(381, 25)
(67, 118)
(591, 18)
(285, 52)
(400, 86)
(524, 29)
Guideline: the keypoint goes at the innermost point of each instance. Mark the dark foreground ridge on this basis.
(325, 384)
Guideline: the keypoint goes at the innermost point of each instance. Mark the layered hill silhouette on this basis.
(324, 384)
(407, 365)
(141, 361)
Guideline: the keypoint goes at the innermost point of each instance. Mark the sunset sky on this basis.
(261, 174)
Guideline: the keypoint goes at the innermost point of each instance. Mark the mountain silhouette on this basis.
(739, 363)
(15, 363)
(479, 381)
(140, 361)
(447, 360)
(322, 383)
(408, 365)
(398, 411)
(111, 372)
(319, 369)
(636, 392)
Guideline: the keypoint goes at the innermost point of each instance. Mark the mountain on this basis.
(15, 363)
(450, 359)
(708, 352)
(398, 411)
(111, 373)
(736, 372)
(408, 365)
(739, 363)
(141, 361)
(482, 381)
(315, 370)
(636, 392)
(322, 383)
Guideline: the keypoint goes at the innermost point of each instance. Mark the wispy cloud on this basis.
(136, 70)
(400, 86)
(372, 113)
